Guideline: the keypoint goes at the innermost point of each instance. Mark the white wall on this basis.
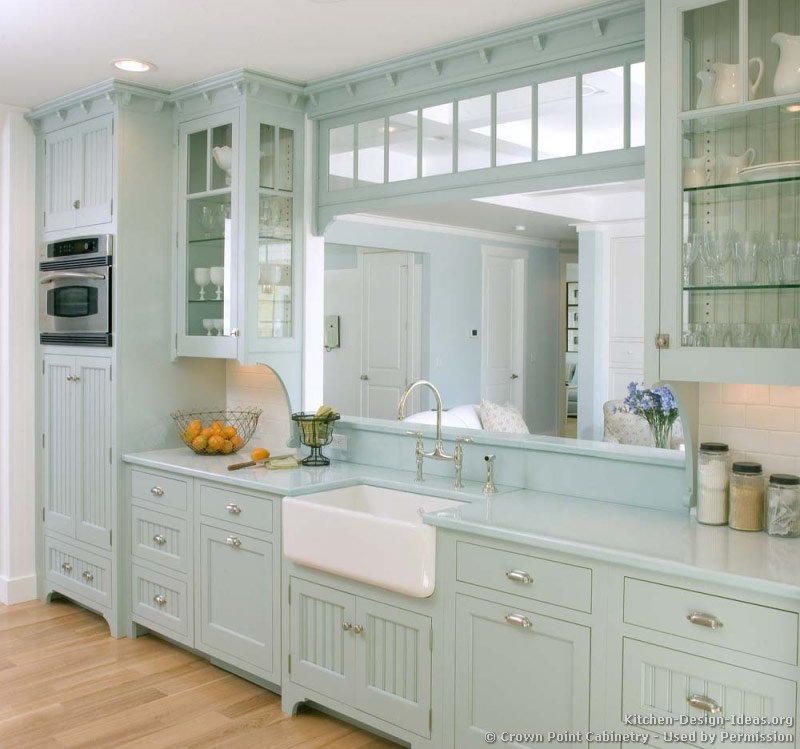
(17, 359)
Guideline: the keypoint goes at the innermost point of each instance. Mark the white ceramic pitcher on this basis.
(694, 171)
(706, 96)
(726, 81)
(787, 75)
(728, 165)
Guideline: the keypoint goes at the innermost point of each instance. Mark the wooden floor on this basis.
(64, 682)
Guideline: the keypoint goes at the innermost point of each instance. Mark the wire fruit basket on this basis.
(220, 432)
(315, 432)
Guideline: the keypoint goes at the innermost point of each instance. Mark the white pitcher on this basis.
(726, 83)
(694, 171)
(706, 96)
(728, 165)
(787, 76)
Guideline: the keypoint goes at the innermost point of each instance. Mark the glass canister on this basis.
(783, 505)
(746, 511)
(712, 483)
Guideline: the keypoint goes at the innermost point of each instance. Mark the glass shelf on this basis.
(734, 185)
(206, 239)
(206, 301)
(750, 287)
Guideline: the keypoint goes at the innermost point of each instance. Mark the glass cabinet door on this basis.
(207, 317)
(275, 233)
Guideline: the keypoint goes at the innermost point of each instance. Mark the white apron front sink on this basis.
(366, 533)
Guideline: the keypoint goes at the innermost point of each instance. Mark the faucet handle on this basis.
(411, 433)
(489, 458)
(465, 440)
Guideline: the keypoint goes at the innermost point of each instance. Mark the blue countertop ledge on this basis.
(668, 542)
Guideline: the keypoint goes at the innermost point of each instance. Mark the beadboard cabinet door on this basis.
(78, 175)
(236, 597)
(518, 671)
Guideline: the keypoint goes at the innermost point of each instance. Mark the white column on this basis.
(18, 443)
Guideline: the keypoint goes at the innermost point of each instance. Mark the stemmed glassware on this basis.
(716, 251)
(202, 277)
(217, 277)
(692, 250)
(208, 325)
(746, 253)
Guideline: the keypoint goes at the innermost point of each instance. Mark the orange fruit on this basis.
(229, 432)
(217, 427)
(238, 442)
(207, 432)
(215, 442)
(227, 447)
(259, 453)
(200, 442)
(195, 425)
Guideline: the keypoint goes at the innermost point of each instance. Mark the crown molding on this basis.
(460, 231)
(245, 82)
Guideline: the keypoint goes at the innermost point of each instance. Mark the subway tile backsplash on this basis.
(759, 422)
(259, 386)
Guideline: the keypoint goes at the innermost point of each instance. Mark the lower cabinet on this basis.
(517, 671)
(371, 656)
(236, 597)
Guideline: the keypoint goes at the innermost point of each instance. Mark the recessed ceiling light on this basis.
(520, 227)
(131, 65)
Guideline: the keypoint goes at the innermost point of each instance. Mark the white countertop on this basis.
(669, 542)
(673, 543)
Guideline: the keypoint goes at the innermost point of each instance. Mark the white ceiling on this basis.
(545, 215)
(51, 47)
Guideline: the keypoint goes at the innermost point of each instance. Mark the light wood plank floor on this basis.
(64, 682)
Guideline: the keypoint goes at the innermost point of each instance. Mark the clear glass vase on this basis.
(662, 433)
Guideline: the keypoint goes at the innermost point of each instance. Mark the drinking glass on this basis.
(790, 262)
(716, 334)
(202, 278)
(774, 334)
(208, 325)
(208, 220)
(775, 248)
(746, 252)
(219, 326)
(217, 276)
(691, 254)
(742, 334)
(716, 252)
(792, 333)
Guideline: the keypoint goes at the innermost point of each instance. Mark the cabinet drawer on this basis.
(626, 352)
(531, 577)
(158, 489)
(235, 507)
(158, 538)
(665, 683)
(748, 627)
(78, 571)
(161, 600)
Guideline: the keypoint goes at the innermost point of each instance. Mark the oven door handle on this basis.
(73, 274)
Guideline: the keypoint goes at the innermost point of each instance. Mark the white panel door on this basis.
(60, 453)
(384, 331)
(502, 338)
(95, 171)
(60, 178)
(93, 460)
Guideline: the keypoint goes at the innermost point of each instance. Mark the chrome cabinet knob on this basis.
(518, 620)
(704, 620)
(518, 576)
(159, 539)
(346, 626)
(235, 332)
(88, 576)
(157, 491)
(76, 204)
(69, 378)
(358, 629)
(67, 567)
(364, 377)
(160, 599)
(701, 702)
(76, 378)
(514, 376)
(233, 541)
(233, 508)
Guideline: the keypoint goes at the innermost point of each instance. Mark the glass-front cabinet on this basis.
(730, 191)
(239, 204)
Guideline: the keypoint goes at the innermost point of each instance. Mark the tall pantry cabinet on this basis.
(105, 160)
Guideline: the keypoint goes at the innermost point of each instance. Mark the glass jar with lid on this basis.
(783, 505)
(712, 483)
(746, 511)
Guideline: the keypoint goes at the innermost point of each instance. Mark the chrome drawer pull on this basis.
(233, 541)
(358, 629)
(67, 567)
(233, 508)
(160, 599)
(518, 620)
(517, 576)
(704, 620)
(88, 576)
(346, 626)
(157, 491)
(159, 539)
(705, 703)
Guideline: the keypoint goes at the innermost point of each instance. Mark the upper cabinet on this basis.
(78, 175)
(239, 219)
(729, 187)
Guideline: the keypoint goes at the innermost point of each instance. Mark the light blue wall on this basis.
(452, 307)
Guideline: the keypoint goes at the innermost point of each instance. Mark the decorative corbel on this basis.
(598, 27)
(62, 114)
(208, 97)
(436, 67)
(485, 55)
(240, 87)
(293, 99)
(538, 42)
(253, 87)
(179, 105)
(350, 88)
(313, 99)
(158, 105)
(86, 105)
(391, 79)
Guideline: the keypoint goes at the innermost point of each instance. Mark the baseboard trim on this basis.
(17, 589)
